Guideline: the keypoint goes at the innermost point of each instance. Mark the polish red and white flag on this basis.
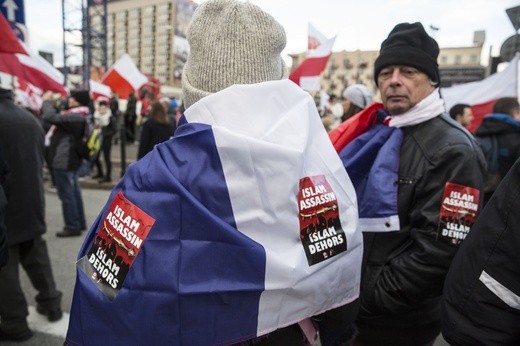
(99, 90)
(307, 74)
(8, 41)
(124, 77)
(18, 60)
(482, 95)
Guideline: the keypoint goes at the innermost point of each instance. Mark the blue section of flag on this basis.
(189, 284)
(372, 163)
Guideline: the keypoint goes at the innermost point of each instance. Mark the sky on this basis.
(358, 24)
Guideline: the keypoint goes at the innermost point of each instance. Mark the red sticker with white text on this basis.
(320, 227)
(459, 210)
(119, 239)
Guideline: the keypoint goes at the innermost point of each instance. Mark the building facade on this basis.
(148, 31)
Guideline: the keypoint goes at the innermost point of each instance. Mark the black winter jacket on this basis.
(404, 271)
(70, 128)
(481, 305)
(21, 138)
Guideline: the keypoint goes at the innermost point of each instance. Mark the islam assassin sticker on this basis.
(320, 227)
(119, 239)
(458, 213)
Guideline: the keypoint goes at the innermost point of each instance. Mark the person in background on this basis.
(130, 117)
(502, 127)
(480, 300)
(240, 198)
(355, 98)
(104, 119)
(114, 108)
(332, 113)
(157, 129)
(67, 130)
(22, 141)
(418, 179)
(462, 114)
(4, 249)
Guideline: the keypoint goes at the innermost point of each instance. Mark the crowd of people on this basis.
(252, 218)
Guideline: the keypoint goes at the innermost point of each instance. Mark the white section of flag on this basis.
(500, 84)
(126, 68)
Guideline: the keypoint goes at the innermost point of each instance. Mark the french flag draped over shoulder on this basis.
(124, 77)
(307, 74)
(369, 150)
(482, 95)
(239, 238)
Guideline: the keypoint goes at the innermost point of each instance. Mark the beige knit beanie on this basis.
(231, 42)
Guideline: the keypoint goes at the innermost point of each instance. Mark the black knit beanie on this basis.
(410, 45)
(82, 96)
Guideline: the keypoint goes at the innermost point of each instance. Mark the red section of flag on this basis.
(479, 111)
(308, 68)
(117, 83)
(354, 126)
(11, 64)
(8, 41)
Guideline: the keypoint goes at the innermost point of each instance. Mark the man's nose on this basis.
(396, 77)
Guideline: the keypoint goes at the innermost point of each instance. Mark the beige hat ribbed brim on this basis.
(231, 42)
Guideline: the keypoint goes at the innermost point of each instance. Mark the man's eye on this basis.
(385, 74)
(409, 71)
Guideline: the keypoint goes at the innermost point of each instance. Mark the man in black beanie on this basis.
(433, 172)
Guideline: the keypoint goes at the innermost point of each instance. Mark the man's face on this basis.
(467, 117)
(402, 87)
(72, 102)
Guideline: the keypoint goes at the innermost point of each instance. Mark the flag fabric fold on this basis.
(124, 77)
(34, 69)
(482, 95)
(99, 90)
(307, 74)
(248, 228)
(9, 43)
(369, 151)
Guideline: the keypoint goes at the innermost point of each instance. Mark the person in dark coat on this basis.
(4, 250)
(156, 129)
(420, 197)
(503, 124)
(129, 117)
(481, 304)
(65, 139)
(22, 139)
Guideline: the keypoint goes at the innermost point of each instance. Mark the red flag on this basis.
(8, 41)
(100, 90)
(124, 77)
(482, 95)
(307, 74)
(33, 69)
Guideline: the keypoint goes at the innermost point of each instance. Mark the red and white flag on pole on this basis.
(18, 60)
(307, 74)
(482, 95)
(8, 41)
(99, 90)
(124, 77)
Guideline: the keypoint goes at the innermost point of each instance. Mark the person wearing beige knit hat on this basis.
(249, 217)
(227, 49)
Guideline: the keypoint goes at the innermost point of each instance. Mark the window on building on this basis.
(458, 59)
